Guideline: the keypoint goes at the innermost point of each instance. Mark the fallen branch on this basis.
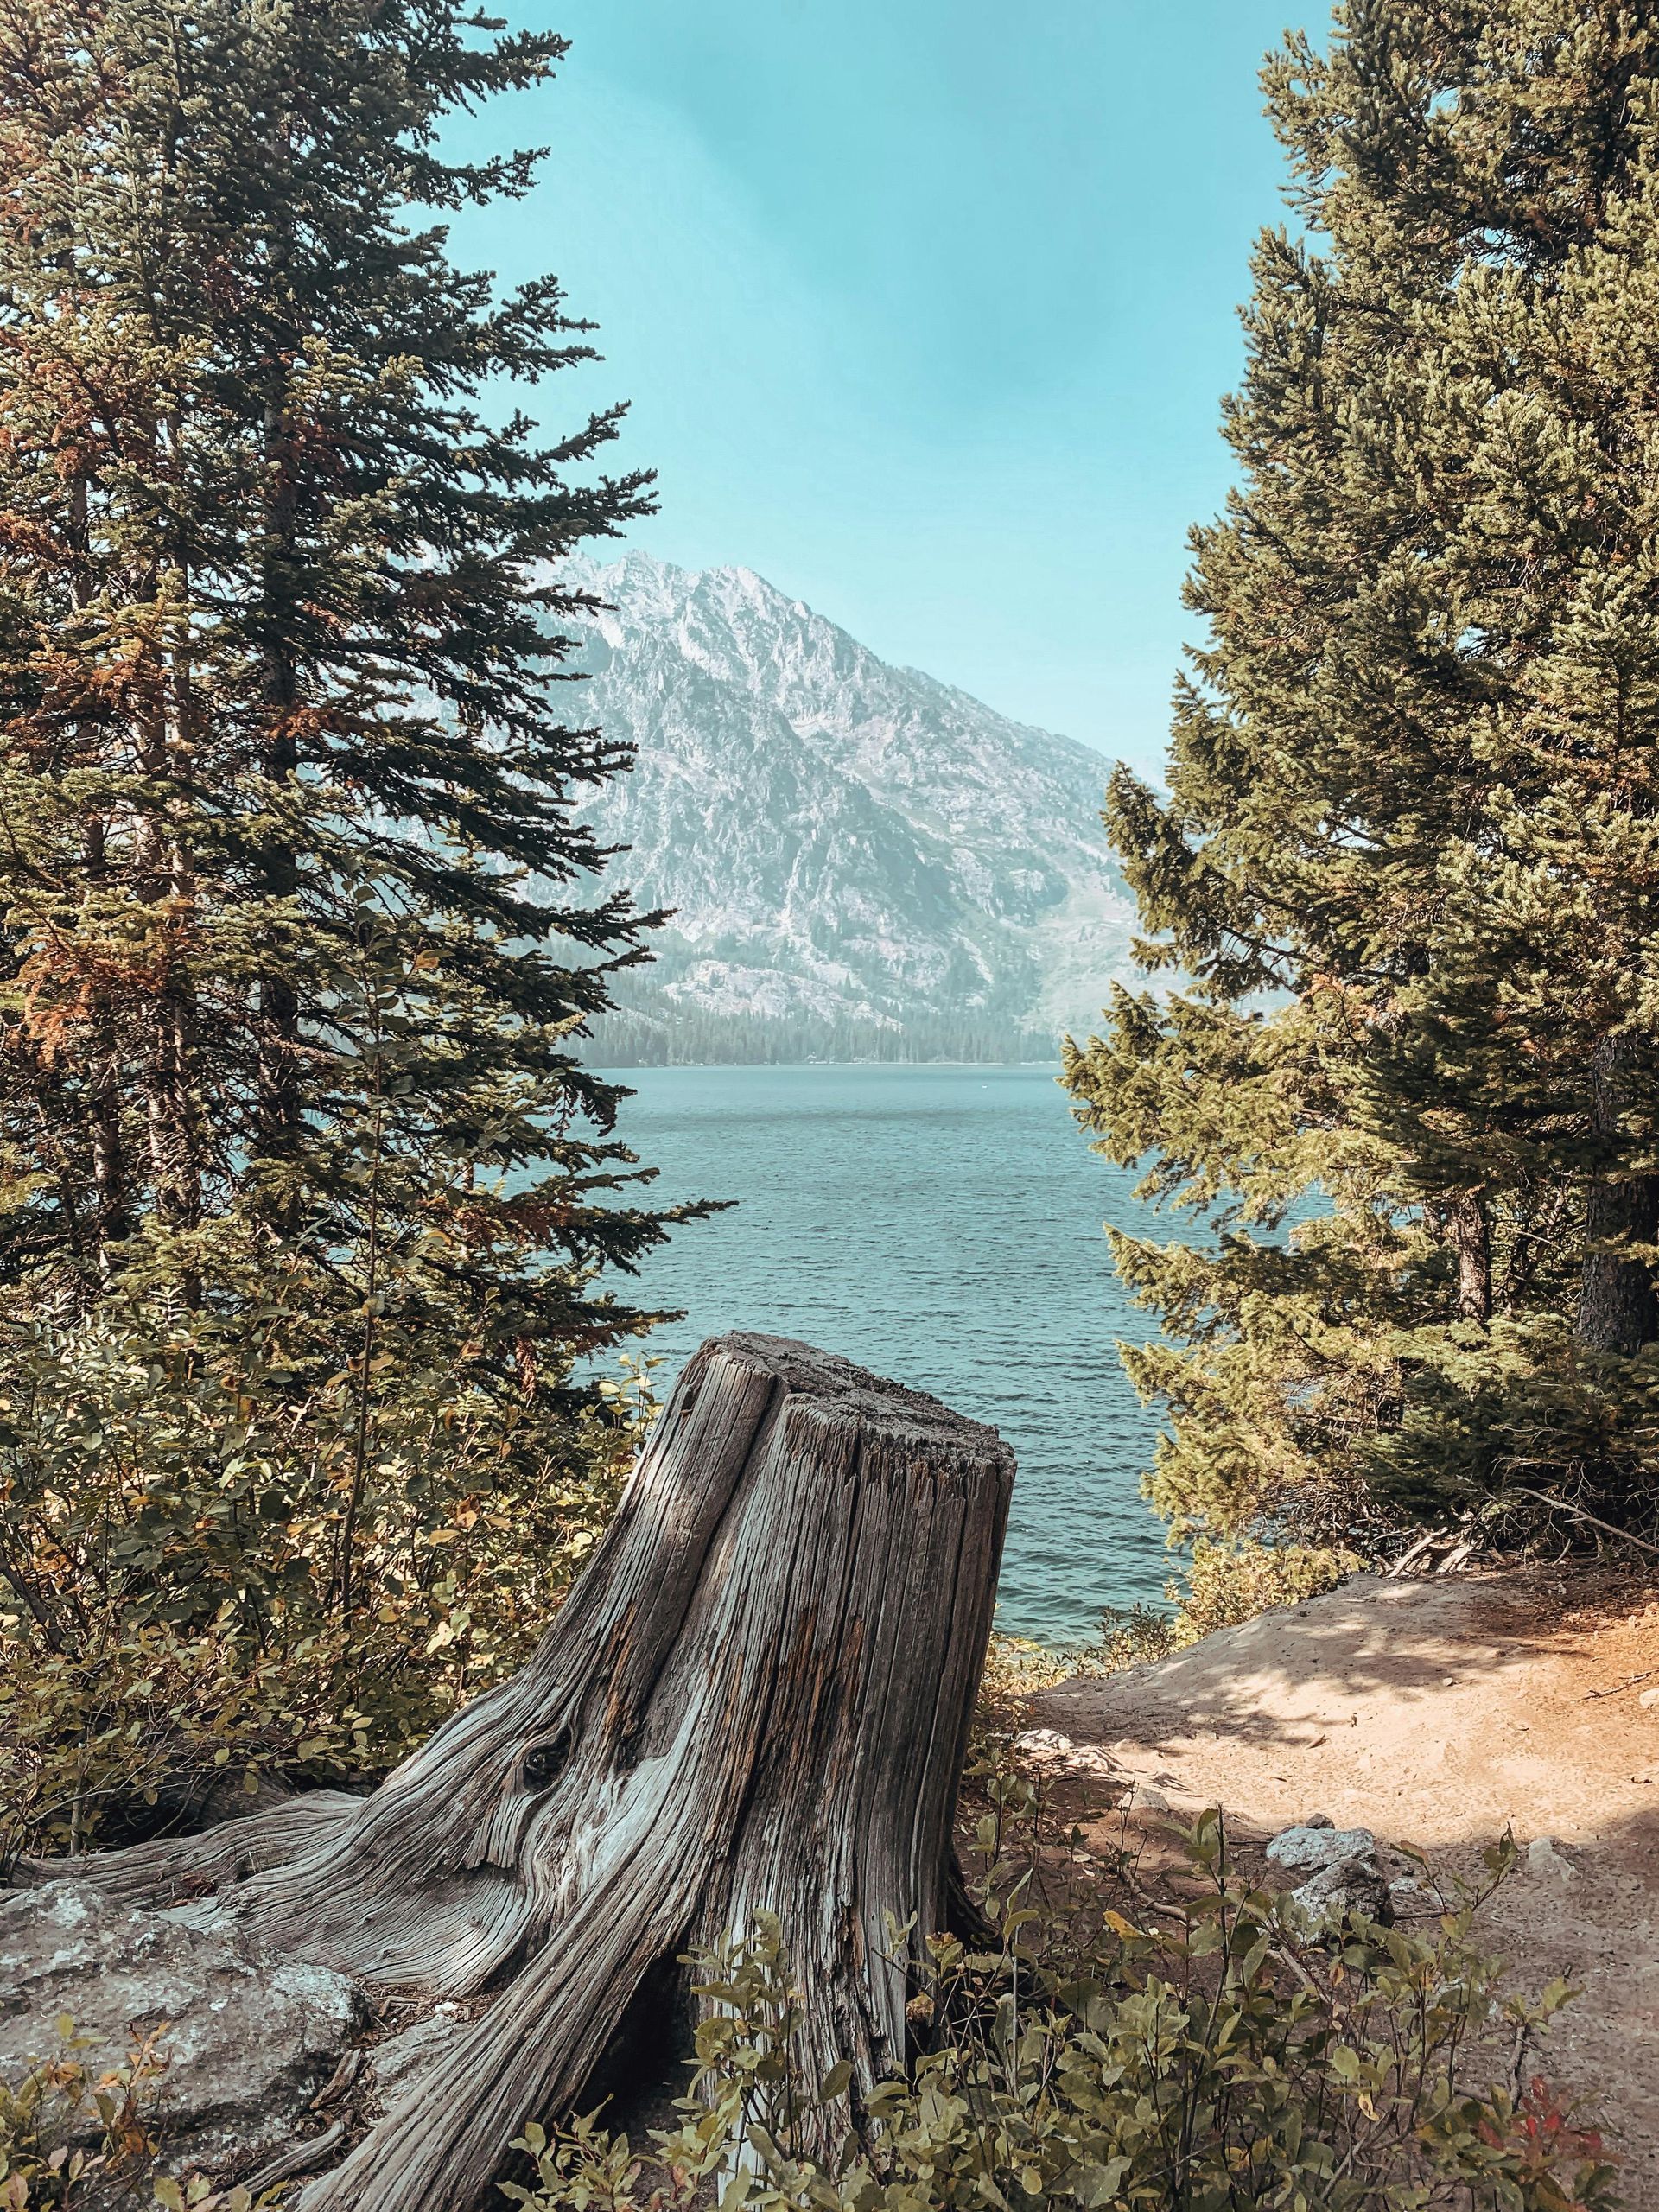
(1409, 1558)
(1564, 1505)
(1628, 1683)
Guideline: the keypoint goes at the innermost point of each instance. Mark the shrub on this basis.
(1016, 1670)
(71, 2138)
(141, 1726)
(57, 2101)
(225, 1554)
(1206, 2052)
(1230, 1583)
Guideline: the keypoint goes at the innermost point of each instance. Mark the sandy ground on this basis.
(1439, 1712)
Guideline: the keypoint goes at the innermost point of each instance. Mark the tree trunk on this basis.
(277, 1106)
(1618, 1311)
(756, 1698)
(1467, 1229)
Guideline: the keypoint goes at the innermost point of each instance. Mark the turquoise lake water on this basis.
(942, 1226)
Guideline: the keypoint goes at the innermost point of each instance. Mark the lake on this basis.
(942, 1226)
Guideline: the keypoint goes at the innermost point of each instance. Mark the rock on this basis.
(1049, 1748)
(1317, 1843)
(1347, 1888)
(1044, 1744)
(1649, 1699)
(1545, 1856)
(1345, 1876)
(249, 2040)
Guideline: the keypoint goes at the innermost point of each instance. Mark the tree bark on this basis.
(756, 1698)
(277, 1083)
(1465, 1229)
(1617, 1311)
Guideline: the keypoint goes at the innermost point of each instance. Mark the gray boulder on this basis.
(1342, 1873)
(249, 2040)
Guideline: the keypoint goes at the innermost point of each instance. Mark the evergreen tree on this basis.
(301, 934)
(1410, 855)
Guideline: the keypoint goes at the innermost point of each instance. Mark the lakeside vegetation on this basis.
(305, 1192)
(652, 1031)
(1414, 791)
(311, 1205)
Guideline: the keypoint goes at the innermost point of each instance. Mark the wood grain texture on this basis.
(756, 1698)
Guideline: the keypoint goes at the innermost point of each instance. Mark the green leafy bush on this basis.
(142, 1725)
(1227, 1584)
(222, 1555)
(1016, 1670)
(71, 2138)
(1205, 2052)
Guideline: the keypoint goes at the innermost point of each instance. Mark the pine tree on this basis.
(1410, 856)
(300, 930)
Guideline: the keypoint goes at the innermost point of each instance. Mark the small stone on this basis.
(1318, 1820)
(1049, 1748)
(1344, 1877)
(1351, 1888)
(1545, 1856)
(1042, 1743)
(1318, 1844)
(1650, 1698)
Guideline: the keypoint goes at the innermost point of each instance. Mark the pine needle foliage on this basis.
(1409, 858)
(303, 1188)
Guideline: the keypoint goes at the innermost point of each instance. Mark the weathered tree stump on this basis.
(756, 1698)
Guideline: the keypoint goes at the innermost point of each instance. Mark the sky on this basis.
(923, 309)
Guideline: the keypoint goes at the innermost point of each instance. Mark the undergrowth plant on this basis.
(175, 1621)
(1204, 2052)
(68, 2129)
(76, 2138)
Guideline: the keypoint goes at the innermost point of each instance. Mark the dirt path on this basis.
(1437, 1713)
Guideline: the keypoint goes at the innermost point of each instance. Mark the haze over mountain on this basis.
(861, 860)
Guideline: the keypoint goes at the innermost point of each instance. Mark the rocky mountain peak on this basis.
(848, 846)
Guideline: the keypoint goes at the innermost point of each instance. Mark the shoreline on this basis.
(775, 1067)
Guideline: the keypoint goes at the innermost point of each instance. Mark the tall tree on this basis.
(300, 930)
(1410, 855)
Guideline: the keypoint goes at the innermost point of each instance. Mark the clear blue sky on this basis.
(924, 309)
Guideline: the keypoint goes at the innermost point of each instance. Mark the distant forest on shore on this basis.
(671, 1034)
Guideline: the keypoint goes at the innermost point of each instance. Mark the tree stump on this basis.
(756, 1698)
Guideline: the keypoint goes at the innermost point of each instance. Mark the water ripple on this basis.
(942, 1225)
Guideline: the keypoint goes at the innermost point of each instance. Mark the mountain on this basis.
(862, 861)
